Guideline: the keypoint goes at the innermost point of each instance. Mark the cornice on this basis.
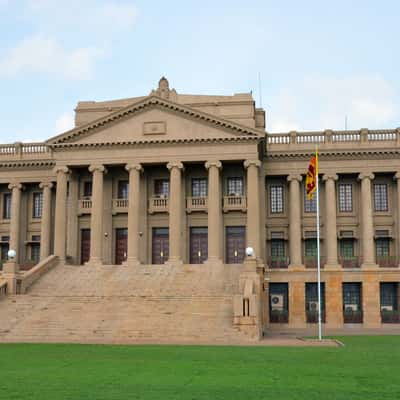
(151, 102)
(26, 164)
(333, 154)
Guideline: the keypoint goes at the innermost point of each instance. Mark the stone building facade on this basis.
(192, 179)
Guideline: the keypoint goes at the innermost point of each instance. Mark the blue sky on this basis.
(319, 61)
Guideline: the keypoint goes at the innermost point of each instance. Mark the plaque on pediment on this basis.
(155, 128)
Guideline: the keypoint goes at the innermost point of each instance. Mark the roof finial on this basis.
(164, 91)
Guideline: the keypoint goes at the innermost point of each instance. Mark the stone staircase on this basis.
(115, 304)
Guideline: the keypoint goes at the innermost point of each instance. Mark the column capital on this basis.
(15, 185)
(333, 177)
(175, 164)
(366, 175)
(294, 177)
(44, 184)
(61, 168)
(97, 167)
(134, 165)
(256, 163)
(213, 163)
(397, 175)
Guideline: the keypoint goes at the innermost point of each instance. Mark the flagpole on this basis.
(318, 251)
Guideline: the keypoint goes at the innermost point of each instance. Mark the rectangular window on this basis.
(4, 247)
(123, 189)
(352, 303)
(389, 302)
(345, 197)
(161, 187)
(35, 252)
(276, 199)
(347, 248)
(87, 190)
(199, 187)
(278, 257)
(312, 302)
(6, 205)
(310, 248)
(382, 247)
(310, 206)
(381, 197)
(278, 303)
(235, 186)
(37, 205)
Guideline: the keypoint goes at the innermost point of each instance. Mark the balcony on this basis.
(387, 262)
(196, 204)
(234, 203)
(279, 316)
(311, 262)
(390, 316)
(158, 204)
(120, 206)
(350, 262)
(84, 206)
(352, 316)
(278, 262)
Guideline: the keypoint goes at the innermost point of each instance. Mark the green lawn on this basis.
(366, 368)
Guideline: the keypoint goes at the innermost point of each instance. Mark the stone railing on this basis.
(3, 288)
(120, 205)
(332, 138)
(31, 276)
(84, 206)
(158, 204)
(25, 150)
(196, 203)
(234, 203)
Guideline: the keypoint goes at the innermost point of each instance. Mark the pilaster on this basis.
(45, 228)
(15, 221)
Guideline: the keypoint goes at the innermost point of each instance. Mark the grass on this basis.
(366, 368)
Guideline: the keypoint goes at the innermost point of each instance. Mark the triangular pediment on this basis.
(155, 119)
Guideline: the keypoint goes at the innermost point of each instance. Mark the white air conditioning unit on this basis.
(386, 308)
(351, 307)
(276, 301)
(313, 305)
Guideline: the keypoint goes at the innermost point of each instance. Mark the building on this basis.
(192, 179)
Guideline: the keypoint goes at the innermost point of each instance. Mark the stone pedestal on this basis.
(10, 271)
(333, 300)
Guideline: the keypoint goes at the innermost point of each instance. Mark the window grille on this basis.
(235, 186)
(161, 187)
(37, 205)
(310, 206)
(123, 189)
(380, 197)
(199, 187)
(345, 197)
(276, 199)
(6, 205)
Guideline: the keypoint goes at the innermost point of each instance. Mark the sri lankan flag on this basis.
(311, 177)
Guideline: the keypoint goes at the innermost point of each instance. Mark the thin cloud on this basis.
(64, 123)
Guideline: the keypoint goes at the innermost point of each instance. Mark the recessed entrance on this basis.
(160, 245)
(198, 245)
(85, 245)
(235, 237)
(121, 245)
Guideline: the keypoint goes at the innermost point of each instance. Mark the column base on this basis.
(296, 267)
(174, 261)
(131, 262)
(369, 266)
(94, 262)
(331, 267)
(213, 261)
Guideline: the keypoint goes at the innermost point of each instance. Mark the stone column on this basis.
(175, 212)
(15, 219)
(295, 221)
(367, 234)
(45, 228)
(134, 213)
(96, 220)
(397, 177)
(253, 206)
(60, 225)
(214, 212)
(330, 221)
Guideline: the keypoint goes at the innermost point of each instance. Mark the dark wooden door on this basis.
(235, 244)
(121, 245)
(85, 245)
(198, 245)
(160, 245)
